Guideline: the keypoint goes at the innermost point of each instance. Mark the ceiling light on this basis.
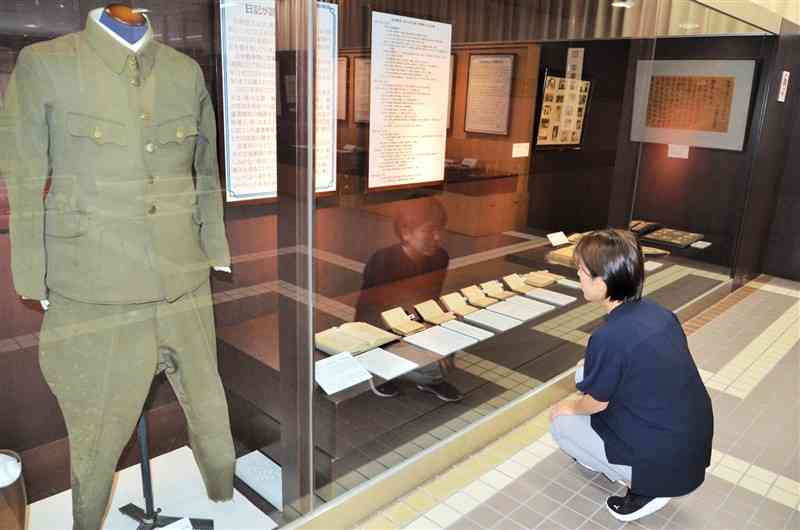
(689, 26)
(627, 4)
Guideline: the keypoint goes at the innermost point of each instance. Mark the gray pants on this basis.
(575, 436)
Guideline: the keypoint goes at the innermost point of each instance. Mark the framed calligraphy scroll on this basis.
(696, 103)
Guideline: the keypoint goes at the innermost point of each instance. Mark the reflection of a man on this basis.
(420, 228)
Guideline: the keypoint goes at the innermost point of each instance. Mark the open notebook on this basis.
(398, 321)
(477, 297)
(516, 283)
(353, 337)
(431, 312)
(455, 303)
(495, 290)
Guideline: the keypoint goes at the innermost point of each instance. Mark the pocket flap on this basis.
(177, 130)
(99, 130)
(65, 224)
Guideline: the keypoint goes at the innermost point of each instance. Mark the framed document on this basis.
(563, 110)
(326, 97)
(341, 92)
(489, 93)
(249, 105)
(408, 101)
(450, 91)
(361, 89)
(695, 103)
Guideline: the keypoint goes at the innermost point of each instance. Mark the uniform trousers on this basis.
(99, 361)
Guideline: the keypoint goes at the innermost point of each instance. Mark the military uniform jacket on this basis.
(128, 143)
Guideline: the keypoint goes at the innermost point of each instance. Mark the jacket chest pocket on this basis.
(180, 133)
(97, 131)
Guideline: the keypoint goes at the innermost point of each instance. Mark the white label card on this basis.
(558, 239)
(339, 372)
(385, 364)
(678, 151)
(520, 150)
(701, 244)
(784, 86)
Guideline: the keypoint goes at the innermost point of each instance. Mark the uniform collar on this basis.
(114, 54)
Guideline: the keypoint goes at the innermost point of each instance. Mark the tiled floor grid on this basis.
(523, 481)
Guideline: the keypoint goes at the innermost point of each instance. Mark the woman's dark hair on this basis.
(616, 257)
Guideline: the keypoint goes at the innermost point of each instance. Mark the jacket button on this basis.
(151, 179)
(134, 82)
(144, 116)
(150, 148)
(152, 209)
(97, 133)
(179, 133)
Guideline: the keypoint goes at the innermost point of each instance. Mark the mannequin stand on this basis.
(150, 518)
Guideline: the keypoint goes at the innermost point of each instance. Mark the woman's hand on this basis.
(585, 405)
(562, 408)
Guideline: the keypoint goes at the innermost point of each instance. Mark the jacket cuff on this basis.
(30, 290)
(215, 245)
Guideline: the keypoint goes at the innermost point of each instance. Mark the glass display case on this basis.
(356, 219)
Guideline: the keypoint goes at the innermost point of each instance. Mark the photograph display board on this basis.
(341, 90)
(249, 100)
(326, 100)
(694, 103)
(489, 94)
(361, 89)
(564, 107)
(408, 100)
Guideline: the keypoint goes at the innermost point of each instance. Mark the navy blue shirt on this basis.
(659, 419)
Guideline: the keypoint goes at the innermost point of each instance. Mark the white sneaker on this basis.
(632, 506)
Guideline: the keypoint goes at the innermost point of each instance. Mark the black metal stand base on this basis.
(150, 518)
(160, 521)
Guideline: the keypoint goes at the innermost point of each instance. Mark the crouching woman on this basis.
(645, 417)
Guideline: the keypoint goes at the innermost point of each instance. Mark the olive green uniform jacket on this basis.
(128, 143)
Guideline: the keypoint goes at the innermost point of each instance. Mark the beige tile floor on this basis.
(523, 481)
